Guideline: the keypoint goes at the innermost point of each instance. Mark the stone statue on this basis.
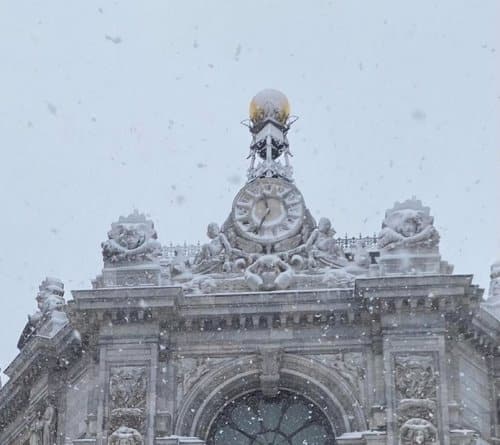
(43, 427)
(36, 429)
(125, 436)
(494, 291)
(408, 225)
(131, 240)
(321, 248)
(417, 432)
(48, 425)
(218, 255)
(269, 272)
(50, 302)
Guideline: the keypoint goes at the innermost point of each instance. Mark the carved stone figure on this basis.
(415, 378)
(125, 436)
(494, 291)
(48, 425)
(217, 255)
(50, 302)
(36, 429)
(269, 272)
(42, 428)
(408, 225)
(132, 239)
(321, 249)
(417, 432)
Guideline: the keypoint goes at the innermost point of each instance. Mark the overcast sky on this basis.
(110, 106)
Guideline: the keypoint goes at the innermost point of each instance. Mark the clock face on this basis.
(268, 210)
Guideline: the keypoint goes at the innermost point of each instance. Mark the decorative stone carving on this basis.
(218, 255)
(42, 429)
(417, 432)
(494, 291)
(409, 242)
(50, 317)
(338, 278)
(416, 393)
(125, 436)
(127, 392)
(321, 249)
(408, 225)
(132, 240)
(269, 272)
(415, 377)
(191, 370)
(348, 365)
(270, 362)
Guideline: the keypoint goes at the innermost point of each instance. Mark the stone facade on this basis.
(376, 342)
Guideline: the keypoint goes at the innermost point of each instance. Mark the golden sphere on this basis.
(269, 104)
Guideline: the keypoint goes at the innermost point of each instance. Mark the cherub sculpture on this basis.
(269, 272)
(131, 240)
(218, 255)
(408, 225)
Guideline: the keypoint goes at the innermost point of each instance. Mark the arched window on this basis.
(287, 419)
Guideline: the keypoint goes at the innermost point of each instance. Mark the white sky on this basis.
(110, 106)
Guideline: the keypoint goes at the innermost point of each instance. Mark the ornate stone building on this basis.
(273, 332)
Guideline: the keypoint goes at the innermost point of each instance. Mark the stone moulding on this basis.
(323, 386)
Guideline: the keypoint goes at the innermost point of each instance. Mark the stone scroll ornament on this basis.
(131, 240)
(127, 393)
(416, 383)
(408, 225)
(50, 302)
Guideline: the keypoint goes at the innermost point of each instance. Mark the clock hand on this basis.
(268, 211)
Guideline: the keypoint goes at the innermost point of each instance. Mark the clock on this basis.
(268, 210)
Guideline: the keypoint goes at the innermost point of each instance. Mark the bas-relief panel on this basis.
(416, 384)
(127, 403)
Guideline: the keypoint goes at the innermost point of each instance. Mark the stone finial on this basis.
(50, 317)
(408, 225)
(494, 292)
(131, 240)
